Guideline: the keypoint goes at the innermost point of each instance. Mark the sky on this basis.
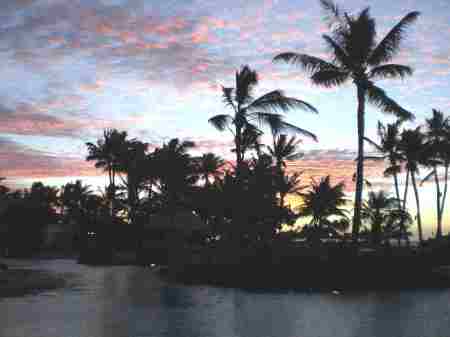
(155, 68)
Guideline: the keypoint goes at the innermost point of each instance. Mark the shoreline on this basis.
(17, 282)
(334, 269)
(269, 279)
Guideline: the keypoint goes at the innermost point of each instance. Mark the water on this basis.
(135, 302)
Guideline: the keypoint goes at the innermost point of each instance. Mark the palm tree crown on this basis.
(285, 149)
(357, 57)
(251, 113)
(323, 201)
(209, 165)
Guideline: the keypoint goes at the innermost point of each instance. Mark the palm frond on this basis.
(375, 145)
(389, 46)
(309, 63)
(330, 77)
(391, 71)
(339, 51)
(220, 122)
(228, 96)
(275, 100)
(295, 129)
(379, 98)
(427, 177)
(391, 170)
(246, 79)
(273, 120)
(360, 39)
(331, 8)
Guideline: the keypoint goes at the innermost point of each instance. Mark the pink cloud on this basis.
(93, 87)
(202, 35)
(39, 164)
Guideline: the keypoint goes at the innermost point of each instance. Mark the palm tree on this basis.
(209, 165)
(378, 211)
(249, 113)
(398, 225)
(107, 153)
(358, 58)
(321, 203)
(285, 149)
(445, 156)
(133, 163)
(42, 196)
(389, 136)
(412, 147)
(437, 144)
(289, 184)
(74, 199)
(176, 172)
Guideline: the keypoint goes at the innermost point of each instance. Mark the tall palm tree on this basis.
(176, 172)
(412, 147)
(357, 57)
(133, 163)
(389, 136)
(251, 113)
(445, 156)
(321, 203)
(437, 151)
(106, 153)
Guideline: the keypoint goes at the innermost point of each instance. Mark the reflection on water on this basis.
(135, 302)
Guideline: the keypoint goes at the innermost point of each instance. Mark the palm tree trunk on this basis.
(397, 190)
(405, 193)
(402, 224)
(360, 164)
(113, 198)
(416, 193)
(444, 194)
(237, 140)
(108, 191)
(438, 205)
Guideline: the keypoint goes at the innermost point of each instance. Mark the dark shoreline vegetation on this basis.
(208, 220)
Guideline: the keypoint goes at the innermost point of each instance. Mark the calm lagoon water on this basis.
(136, 302)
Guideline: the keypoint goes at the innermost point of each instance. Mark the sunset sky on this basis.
(154, 68)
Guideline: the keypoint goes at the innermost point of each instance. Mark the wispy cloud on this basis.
(22, 161)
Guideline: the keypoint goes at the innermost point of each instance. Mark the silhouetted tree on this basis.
(26, 215)
(209, 165)
(177, 173)
(248, 113)
(437, 151)
(133, 163)
(107, 153)
(412, 147)
(324, 204)
(389, 136)
(357, 57)
(73, 200)
(284, 150)
(377, 211)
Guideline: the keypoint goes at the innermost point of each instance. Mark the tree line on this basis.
(245, 199)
